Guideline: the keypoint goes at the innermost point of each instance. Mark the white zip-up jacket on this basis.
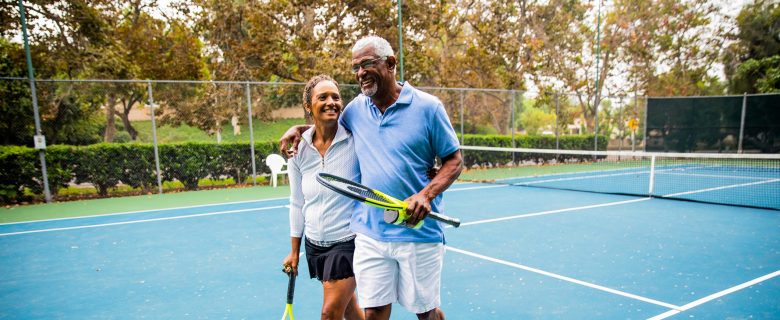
(320, 213)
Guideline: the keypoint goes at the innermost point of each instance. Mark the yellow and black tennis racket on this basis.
(288, 310)
(395, 210)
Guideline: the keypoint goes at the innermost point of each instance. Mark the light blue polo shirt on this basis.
(395, 149)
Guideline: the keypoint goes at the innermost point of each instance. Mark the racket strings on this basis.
(366, 193)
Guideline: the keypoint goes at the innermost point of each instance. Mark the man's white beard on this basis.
(371, 91)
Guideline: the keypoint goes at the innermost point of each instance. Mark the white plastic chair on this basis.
(276, 163)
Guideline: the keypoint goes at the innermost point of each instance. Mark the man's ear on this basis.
(391, 62)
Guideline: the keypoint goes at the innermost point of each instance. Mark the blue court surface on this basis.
(521, 253)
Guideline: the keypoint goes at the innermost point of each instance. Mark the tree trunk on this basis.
(127, 105)
(128, 126)
(108, 135)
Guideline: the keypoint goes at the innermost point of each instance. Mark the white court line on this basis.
(527, 215)
(719, 188)
(565, 278)
(715, 296)
(478, 188)
(138, 221)
(144, 211)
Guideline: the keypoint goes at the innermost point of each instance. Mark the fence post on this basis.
(40, 140)
(512, 123)
(251, 133)
(596, 125)
(742, 122)
(636, 114)
(462, 138)
(154, 138)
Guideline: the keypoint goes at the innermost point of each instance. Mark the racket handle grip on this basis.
(455, 222)
(291, 287)
(398, 217)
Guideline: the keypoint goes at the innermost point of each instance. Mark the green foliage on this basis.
(18, 165)
(534, 120)
(188, 162)
(69, 113)
(16, 117)
(100, 165)
(110, 167)
(22, 171)
(494, 158)
(751, 62)
(763, 73)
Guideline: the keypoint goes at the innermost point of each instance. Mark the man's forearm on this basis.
(450, 169)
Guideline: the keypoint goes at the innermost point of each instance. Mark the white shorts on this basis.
(405, 272)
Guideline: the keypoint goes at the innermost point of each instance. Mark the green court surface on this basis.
(94, 207)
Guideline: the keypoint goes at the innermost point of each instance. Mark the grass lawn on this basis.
(263, 131)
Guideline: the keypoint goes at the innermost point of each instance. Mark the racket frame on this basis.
(392, 203)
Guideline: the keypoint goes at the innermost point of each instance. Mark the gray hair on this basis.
(381, 46)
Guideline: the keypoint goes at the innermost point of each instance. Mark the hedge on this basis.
(497, 158)
(106, 165)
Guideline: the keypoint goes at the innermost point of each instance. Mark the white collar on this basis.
(341, 134)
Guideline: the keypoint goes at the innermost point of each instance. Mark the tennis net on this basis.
(751, 180)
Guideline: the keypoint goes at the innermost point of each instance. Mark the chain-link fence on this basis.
(152, 136)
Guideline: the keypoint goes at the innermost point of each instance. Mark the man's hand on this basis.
(443, 177)
(418, 209)
(288, 143)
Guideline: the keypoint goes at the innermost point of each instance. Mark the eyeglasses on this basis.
(366, 64)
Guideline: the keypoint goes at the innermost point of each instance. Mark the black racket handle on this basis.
(455, 222)
(291, 287)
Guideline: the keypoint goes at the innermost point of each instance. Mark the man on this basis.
(398, 132)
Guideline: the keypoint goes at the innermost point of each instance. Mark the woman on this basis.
(320, 213)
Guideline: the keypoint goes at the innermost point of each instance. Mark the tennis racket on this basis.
(290, 291)
(395, 210)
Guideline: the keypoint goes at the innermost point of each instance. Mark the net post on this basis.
(512, 123)
(652, 176)
(557, 116)
(742, 122)
(251, 133)
(154, 137)
(644, 128)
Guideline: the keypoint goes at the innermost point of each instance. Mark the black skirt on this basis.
(330, 263)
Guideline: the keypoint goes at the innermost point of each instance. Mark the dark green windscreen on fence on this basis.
(712, 124)
(762, 124)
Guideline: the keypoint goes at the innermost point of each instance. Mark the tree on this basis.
(536, 116)
(17, 123)
(751, 62)
(688, 37)
(144, 47)
(569, 60)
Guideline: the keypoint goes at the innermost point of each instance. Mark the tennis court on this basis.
(527, 248)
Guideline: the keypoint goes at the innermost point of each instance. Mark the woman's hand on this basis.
(290, 263)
